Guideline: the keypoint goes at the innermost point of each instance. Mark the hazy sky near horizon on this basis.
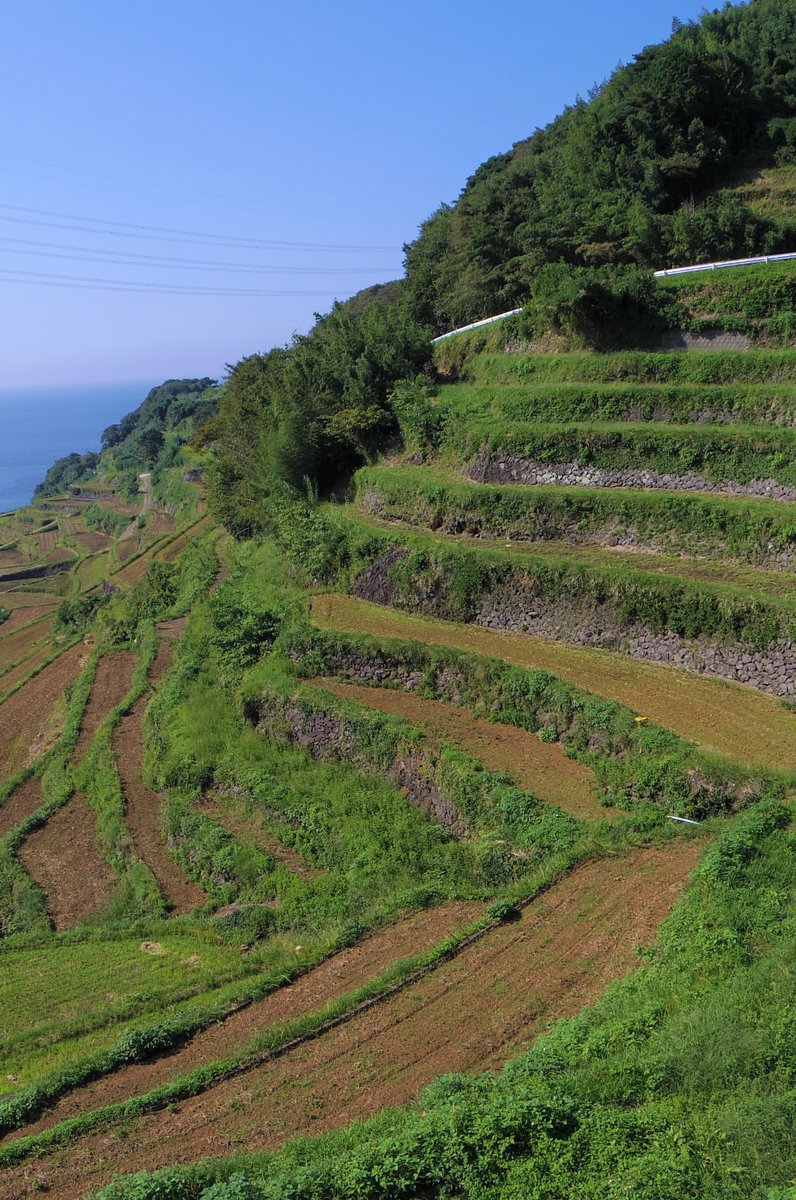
(275, 155)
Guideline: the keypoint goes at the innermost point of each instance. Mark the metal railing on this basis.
(714, 266)
(730, 262)
(477, 324)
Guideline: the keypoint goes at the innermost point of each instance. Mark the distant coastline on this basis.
(40, 424)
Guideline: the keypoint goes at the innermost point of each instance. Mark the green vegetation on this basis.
(306, 415)
(735, 454)
(634, 175)
(307, 820)
(677, 1082)
(753, 531)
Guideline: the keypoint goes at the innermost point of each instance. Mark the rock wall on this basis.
(327, 735)
(516, 608)
(771, 670)
(498, 466)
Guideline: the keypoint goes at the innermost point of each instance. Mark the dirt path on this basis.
(473, 1013)
(63, 860)
(111, 685)
(142, 814)
(253, 827)
(746, 725)
(543, 769)
(26, 716)
(23, 801)
(341, 973)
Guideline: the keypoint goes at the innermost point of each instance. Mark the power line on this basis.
(122, 228)
(126, 285)
(126, 258)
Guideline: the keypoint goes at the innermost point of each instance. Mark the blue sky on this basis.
(334, 129)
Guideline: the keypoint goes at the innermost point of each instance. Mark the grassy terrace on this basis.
(751, 728)
(479, 358)
(584, 522)
(526, 399)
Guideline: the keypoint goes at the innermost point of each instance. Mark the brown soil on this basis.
(25, 715)
(175, 547)
(22, 642)
(127, 545)
(18, 618)
(742, 723)
(10, 560)
(253, 827)
(542, 768)
(93, 541)
(134, 570)
(472, 1013)
(111, 685)
(30, 600)
(341, 973)
(161, 524)
(20, 804)
(63, 860)
(168, 634)
(142, 814)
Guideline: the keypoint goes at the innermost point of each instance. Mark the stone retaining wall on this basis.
(516, 608)
(498, 466)
(329, 736)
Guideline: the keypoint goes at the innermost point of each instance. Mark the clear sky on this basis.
(318, 134)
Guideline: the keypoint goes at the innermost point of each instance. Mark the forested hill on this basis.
(641, 173)
(146, 438)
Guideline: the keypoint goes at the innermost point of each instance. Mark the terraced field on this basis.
(471, 1013)
(279, 854)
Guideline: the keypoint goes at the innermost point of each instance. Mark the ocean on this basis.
(40, 424)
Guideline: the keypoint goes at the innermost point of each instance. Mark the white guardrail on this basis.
(714, 266)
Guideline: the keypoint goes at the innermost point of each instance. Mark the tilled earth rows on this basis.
(472, 1013)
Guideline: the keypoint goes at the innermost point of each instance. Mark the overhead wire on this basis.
(128, 258)
(156, 232)
(127, 285)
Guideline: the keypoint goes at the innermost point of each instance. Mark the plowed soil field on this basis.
(26, 715)
(174, 548)
(541, 768)
(142, 814)
(472, 1013)
(341, 973)
(93, 541)
(18, 644)
(742, 723)
(63, 859)
(111, 685)
(20, 804)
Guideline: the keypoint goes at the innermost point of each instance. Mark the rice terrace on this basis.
(398, 738)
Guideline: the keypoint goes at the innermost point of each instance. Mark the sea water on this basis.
(40, 424)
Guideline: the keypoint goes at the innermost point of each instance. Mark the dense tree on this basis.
(630, 176)
(306, 415)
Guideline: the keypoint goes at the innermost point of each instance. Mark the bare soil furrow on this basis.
(62, 858)
(23, 801)
(342, 972)
(543, 769)
(747, 726)
(111, 685)
(474, 1011)
(142, 813)
(26, 716)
